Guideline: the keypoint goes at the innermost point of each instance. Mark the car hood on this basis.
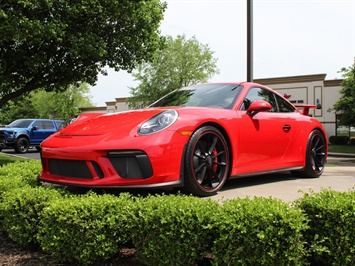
(12, 128)
(122, 122)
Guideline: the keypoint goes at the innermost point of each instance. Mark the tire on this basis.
(315, 156)
(207, 162)
(21, 145)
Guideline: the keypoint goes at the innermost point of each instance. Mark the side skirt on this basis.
(268, 172)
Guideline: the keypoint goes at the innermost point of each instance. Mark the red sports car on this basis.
(195, 138)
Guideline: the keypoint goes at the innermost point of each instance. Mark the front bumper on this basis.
(153, 165)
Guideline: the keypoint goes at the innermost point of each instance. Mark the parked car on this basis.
(23, 133)
(194, 138)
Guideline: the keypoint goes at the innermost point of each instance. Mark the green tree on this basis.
(179, 63)
(62, 105)
(346, 104)
(20, 107)
(41, 104)
(53, 44)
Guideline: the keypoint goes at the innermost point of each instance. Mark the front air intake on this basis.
(131, 164)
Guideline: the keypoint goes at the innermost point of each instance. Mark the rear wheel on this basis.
(207, 162)
(315, 156)
(22, 145)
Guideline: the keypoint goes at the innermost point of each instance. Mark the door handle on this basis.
(286, 128)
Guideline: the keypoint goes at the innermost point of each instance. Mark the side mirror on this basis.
(258, 106)
(35, 128)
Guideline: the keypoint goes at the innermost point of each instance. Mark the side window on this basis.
(284, 106)
(44, 124)
(38, 124)
(259, 94)
(48, 125)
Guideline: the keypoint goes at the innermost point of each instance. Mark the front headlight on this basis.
(11, 134)
(158, 122)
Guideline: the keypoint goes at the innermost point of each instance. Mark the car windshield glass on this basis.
(21, 123)
(216, 95)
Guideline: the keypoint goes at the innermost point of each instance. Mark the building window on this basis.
(342, 130)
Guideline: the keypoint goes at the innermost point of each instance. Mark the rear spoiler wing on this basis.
(305, 108)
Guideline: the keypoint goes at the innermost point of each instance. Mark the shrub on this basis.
(173, 230)
(352, 141)
(19, 174)
(331, 235)
(339, 140)
(86, 229)
(262, 231)
(21, 210)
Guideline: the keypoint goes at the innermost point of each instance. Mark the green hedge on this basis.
(21, 210)
(259, 231)
(173, 230)
(339, 140)
(331, 233)
(87, 229)
(19, 174)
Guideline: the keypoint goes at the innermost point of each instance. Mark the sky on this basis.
(290, 38)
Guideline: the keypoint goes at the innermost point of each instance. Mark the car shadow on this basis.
(249, 181)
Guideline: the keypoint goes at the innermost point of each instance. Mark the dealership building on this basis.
(306, 89)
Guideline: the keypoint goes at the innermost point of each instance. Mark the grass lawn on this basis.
(341, 148)
(5, 159)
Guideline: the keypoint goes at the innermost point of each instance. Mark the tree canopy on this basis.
(346, 104)
(53, 44)
(41, 104)
(181, 62)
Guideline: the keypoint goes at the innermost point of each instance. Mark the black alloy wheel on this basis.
(22, 145)
(207, 162)
(315, 156)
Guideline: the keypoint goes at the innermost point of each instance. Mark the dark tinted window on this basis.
(278, 104)
(20, 123)
(284, 106)
(217, 95)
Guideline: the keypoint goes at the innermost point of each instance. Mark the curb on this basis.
(343, 155)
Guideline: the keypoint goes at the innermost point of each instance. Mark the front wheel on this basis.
(315, 156)
(207, 162)
(22, 145)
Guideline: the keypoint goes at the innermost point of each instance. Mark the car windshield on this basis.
(21, 123)
(216, 95)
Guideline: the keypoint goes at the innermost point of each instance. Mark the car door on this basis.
(264, 137)
(41, 129)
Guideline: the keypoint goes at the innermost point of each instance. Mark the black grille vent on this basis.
(131, 164)
(69, 168)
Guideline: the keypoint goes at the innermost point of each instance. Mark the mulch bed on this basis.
(11, 254)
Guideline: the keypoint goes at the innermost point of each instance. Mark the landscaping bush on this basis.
(318, 229)
(87, 228)
(21, 210)
(339, 140)
(173, 230)
(18, 174)
(331, 234)
(259, 231)
(352, 141)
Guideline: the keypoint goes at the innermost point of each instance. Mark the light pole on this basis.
(250, 40)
